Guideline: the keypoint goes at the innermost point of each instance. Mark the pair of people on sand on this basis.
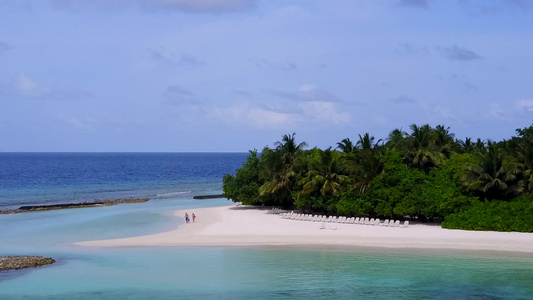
(187, 220)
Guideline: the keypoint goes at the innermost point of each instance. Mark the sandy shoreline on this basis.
(243, 226)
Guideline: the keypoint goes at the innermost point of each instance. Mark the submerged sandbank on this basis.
(245, 226)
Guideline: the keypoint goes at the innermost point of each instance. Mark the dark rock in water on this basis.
(208, 197)
(21, 262)
(73, 205)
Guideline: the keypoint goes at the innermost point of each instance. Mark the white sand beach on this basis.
(246, 226)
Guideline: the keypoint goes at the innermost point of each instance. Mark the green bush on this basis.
(515, 215)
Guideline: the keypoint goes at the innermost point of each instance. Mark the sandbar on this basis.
(250, 226)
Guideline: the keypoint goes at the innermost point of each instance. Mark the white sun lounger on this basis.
(405, 224)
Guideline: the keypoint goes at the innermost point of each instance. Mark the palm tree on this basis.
(277, 168)
(325, 175)
(397, 139)
(324, 180)
(346, 146)
(466, 146)
(444, 140)
(365, 163)
(494, 174)
(524, 155)
(423, 153)
(480, 145)
(366, 142)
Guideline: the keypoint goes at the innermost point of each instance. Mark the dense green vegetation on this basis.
(424, 174)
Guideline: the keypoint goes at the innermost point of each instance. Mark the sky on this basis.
(236, 75)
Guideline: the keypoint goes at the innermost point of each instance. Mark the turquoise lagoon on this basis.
(233, 273)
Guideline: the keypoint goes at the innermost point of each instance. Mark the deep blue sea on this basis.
(170, 181)
(47, 178)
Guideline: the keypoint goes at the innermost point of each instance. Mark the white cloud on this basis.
(309, 93)
(438, 112)
(244, 114)
(525, 104)
(84, 124)
(324, 112)
(26, 87)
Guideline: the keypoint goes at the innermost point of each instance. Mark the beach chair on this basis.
(405, 224)
(386, 222)
(356, 220)
(344, 220)
(371, 222)
(351, 220)
(397, 223)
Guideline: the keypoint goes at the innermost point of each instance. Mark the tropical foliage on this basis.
(424, 174)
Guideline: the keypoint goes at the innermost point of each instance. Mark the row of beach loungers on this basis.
(331, 219)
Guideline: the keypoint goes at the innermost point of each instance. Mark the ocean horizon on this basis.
(170, 181)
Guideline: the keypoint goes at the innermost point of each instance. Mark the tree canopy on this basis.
(423, 174)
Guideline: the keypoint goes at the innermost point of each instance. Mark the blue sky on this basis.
(234, 75)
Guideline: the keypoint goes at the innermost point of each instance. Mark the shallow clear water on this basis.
(223, 272)
(232, 273)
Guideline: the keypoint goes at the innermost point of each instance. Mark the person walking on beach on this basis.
(186, 218)
(193, 217)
